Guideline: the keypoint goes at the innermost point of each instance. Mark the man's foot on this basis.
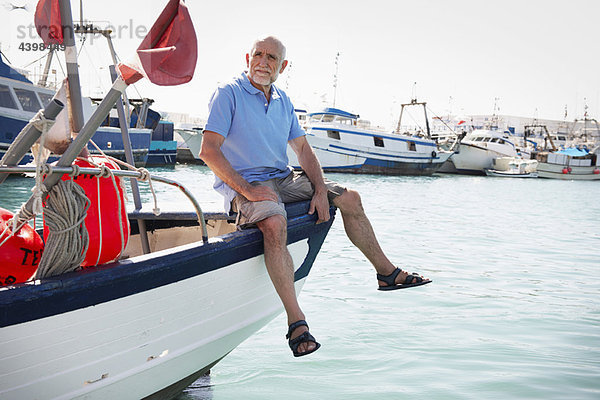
(400, 280)
(302, 343)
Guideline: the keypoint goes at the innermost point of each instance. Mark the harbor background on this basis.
(512, 312)
(531, 59)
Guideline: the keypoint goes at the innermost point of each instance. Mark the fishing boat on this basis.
(147, 323)
(184, 289)
(569, 164)
(344, 143)
(20, 99)
(163, 146)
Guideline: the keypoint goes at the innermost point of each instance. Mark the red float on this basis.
(102, 220)
(565, 171)
(596, 171)
(20, 254)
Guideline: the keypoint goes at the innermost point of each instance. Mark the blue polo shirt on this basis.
(256, 132)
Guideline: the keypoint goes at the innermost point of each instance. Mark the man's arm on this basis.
(212, 155)
(311, 166)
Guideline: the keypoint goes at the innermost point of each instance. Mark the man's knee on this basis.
(273, 226)
(348, 201)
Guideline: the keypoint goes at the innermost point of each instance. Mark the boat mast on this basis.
(71, 61)
(335, 76)
(44, 78)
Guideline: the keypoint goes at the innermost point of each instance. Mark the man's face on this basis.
(265, 63)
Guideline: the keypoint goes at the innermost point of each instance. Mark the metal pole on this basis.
(135, 190)
(72, 69)
(426, 120)
(27, 137)
(113, 53)
(44, 78)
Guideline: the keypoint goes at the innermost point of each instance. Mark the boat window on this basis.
(328, 118)
(333, 135)
(487, 139)
(6, 99)
(501, 141)
(45, 97)
(378, 141)
(478, 139)
(494, 140)
(28, 100)
(412, 146)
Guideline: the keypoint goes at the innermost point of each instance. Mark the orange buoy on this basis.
(20, 254)
(108, 231)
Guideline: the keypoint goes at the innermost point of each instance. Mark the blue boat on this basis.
(163, 147)
(20, 99)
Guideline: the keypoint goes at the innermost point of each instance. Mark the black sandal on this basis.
(411, 280)
(305, 337)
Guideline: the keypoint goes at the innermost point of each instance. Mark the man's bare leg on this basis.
(281, 271)
(361, 234)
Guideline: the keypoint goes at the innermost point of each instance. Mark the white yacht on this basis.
(478, 149)
(345, 143)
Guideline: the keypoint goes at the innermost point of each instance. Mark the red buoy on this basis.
(565, 170)
(108, 231)
(20, 254)
(596, 171)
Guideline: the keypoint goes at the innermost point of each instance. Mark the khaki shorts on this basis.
(294, 187)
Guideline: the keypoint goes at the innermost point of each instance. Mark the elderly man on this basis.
(250, 123)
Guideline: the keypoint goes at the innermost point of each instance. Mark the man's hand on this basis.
(320, 203)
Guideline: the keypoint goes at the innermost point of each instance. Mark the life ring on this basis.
(20, 254)
(108, 232)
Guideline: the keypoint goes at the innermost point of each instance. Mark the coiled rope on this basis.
(68, 239)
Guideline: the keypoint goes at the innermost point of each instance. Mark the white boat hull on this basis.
(149, 324)
(351, 157)
(510, 174)
(477, 151)
(475, 159)
(135, 346)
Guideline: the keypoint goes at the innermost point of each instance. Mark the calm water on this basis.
(513, 312)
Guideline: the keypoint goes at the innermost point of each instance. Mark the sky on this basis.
(528, 58)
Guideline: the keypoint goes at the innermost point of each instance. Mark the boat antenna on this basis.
(81, 13)
(413, 98)
(335, 77)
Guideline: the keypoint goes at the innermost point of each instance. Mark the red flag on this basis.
(169, 52)
(47, 22)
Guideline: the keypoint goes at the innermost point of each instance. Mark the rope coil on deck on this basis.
(68, 239)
